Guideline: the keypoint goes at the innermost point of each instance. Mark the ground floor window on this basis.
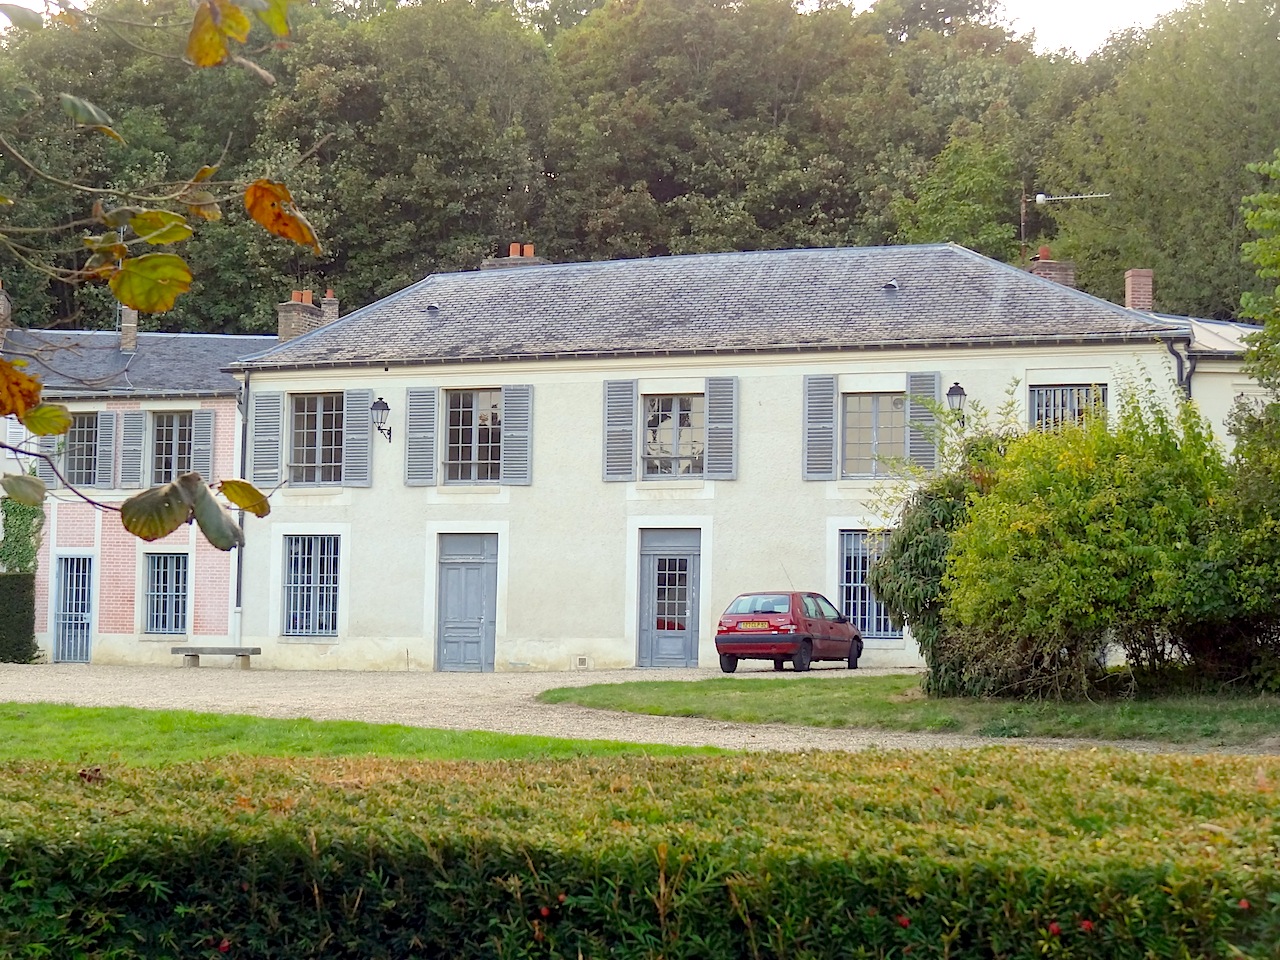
(310, 586)
(167, 592)
(858, 550)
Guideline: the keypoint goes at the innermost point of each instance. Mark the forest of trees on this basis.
(424, 137)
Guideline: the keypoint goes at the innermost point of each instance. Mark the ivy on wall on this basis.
(22, 526)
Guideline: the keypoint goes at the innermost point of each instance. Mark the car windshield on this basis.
(761, 603)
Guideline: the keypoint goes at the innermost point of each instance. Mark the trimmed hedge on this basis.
(978, 854)
(18, 618)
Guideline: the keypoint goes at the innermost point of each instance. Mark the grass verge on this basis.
(123, 735)
(895, 703)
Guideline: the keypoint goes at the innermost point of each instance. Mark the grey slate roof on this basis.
(758, 301)
(89, 363)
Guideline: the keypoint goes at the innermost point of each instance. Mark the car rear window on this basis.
(761, 603)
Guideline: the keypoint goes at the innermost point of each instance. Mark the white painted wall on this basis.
(568, 544)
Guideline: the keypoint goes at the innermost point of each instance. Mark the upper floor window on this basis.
(81, 466)
(875, 432)
(674, 435)
(1051, 406)
(474, 448)
(316, 438)
(171, 446)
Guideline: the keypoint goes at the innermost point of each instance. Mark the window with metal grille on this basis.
(1052, 406)
(82, 450)
(170, 445)
(875, 432)
(316, 438)
(310, 586)
(858, 550)
(167, 592)
(474, 450)
(675, 431)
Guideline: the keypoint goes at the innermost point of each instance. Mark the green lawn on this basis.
(896, 703)
(122, 735)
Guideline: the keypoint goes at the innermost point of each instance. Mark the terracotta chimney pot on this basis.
(306, 296)
(528, 250)
(513, 250)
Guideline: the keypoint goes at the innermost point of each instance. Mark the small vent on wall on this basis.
(581, 663)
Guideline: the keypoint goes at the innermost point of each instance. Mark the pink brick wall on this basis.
(117, 577)
(42, 575)
(211, 581)
(77, 524)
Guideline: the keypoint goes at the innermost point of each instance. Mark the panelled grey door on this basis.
(669, 571)
(468, 599)
(73, 612)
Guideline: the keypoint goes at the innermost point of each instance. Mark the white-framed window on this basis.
(675, 433)
(315, 438)
(166, 596)
(310, 607)
(473, 448)
(172, 443)
(875, 433)
(1051, 405)
(81, 463)
(858, 550)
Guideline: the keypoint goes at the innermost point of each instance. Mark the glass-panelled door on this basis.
(668, 600)
(73, 614)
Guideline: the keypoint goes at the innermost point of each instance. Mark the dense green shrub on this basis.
(1102, 531)
(17, 618)
(1011, 854)
(21, 544)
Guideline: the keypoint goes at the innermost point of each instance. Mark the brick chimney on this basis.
(1140, 289)
(298, 315)
(518, 255)
(329, 307)
(128, 330)
(1059, 271)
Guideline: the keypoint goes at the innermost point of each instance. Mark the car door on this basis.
(815, 625)
(839, 632)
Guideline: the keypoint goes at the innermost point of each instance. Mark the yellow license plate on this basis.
(753, 625)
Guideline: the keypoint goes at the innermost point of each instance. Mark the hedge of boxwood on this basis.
(976, 854)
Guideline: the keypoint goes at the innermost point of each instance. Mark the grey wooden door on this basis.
(669, 572)
(468, 599)
(72, 619)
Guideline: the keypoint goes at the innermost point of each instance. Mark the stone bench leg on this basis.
(191, 659)
(244, 659)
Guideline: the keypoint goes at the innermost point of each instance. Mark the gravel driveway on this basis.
(500, 702)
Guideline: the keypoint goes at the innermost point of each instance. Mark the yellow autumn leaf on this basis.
(18, 391)
(151, 283)
(5, 201)
(244, 494)
(204, 173)
(106, 131)
(271, 205)
(202, 204)
(215, 22)
(155, 513)
(160, 226)
(276, 17)
(47, 419)
(24, 488)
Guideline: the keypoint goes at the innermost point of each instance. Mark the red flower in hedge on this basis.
(224, 946)
(1086, 926)
(1054, 929)
(545, 911)
(1244, 904)
(903, 921)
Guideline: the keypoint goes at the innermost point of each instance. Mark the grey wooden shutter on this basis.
(44, 470)
(133, 436)
(517, 434)
(420, 437)
(104, 465)
(16, 433)
(620, 401)
(202, 443)
(722, 429)
(921, 449)
(266, 424)
(820, 418)
(357, 438)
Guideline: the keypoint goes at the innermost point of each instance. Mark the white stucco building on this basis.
(582, 464)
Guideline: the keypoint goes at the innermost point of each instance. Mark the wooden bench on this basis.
(191, 655)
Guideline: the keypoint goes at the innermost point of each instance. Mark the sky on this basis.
(1082, 25)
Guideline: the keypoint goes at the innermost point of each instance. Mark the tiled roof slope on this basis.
(764, 300)
(89, 363)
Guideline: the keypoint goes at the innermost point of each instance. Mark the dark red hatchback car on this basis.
(786, 625)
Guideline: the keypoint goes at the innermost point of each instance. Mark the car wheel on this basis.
(728, 662)
(855, 652)
(778, 663)
(803, 657)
